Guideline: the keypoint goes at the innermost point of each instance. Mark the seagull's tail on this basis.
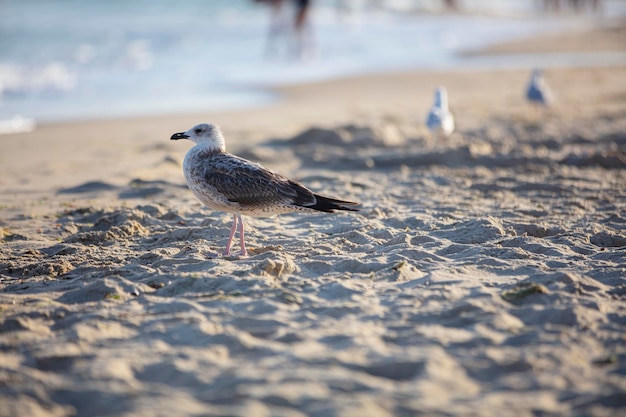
(329, 205)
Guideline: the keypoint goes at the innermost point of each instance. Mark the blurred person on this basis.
(451, 5)
(303, 30)
(300, 31)
(276, 25)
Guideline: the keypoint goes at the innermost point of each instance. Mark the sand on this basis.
(484, 275)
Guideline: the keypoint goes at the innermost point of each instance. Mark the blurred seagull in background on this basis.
(226, 182)
(440, 121)
(538, 92)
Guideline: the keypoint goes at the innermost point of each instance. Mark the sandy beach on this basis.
(483, 276)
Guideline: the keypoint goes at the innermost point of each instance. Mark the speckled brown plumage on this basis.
(226, 182)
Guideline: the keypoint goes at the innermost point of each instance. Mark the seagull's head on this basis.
(537, 74)
(441, 98)
(206, 134)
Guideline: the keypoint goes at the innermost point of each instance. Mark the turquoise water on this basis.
(71, 59)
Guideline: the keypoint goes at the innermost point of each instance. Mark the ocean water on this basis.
(89, 59)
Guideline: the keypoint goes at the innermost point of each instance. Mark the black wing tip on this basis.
(329, 205)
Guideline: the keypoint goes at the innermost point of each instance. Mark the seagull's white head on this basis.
(441, 98)
(206, 134)
(536, 76)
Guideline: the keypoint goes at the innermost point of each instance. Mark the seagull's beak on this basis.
(181, 135)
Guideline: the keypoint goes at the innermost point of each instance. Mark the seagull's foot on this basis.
(240, 253)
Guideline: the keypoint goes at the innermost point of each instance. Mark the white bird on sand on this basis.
(440, 120)
(538, 92)
(226, 182)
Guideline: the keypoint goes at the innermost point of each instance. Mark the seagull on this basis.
(440, 121)
(538, 92)
(225, 182)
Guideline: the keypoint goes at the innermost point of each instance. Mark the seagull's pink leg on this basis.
(232, 234)
(242, 243)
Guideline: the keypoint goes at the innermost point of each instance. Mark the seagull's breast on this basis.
(447, 124)
(197, 165)
(440, 121)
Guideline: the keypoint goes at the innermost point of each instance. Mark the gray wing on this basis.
(434, 118)
(536, 93)
(251, 185)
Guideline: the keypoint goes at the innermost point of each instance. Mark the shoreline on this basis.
(60, 152)
(604, 38)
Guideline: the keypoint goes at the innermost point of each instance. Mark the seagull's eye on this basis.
(198, 130)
